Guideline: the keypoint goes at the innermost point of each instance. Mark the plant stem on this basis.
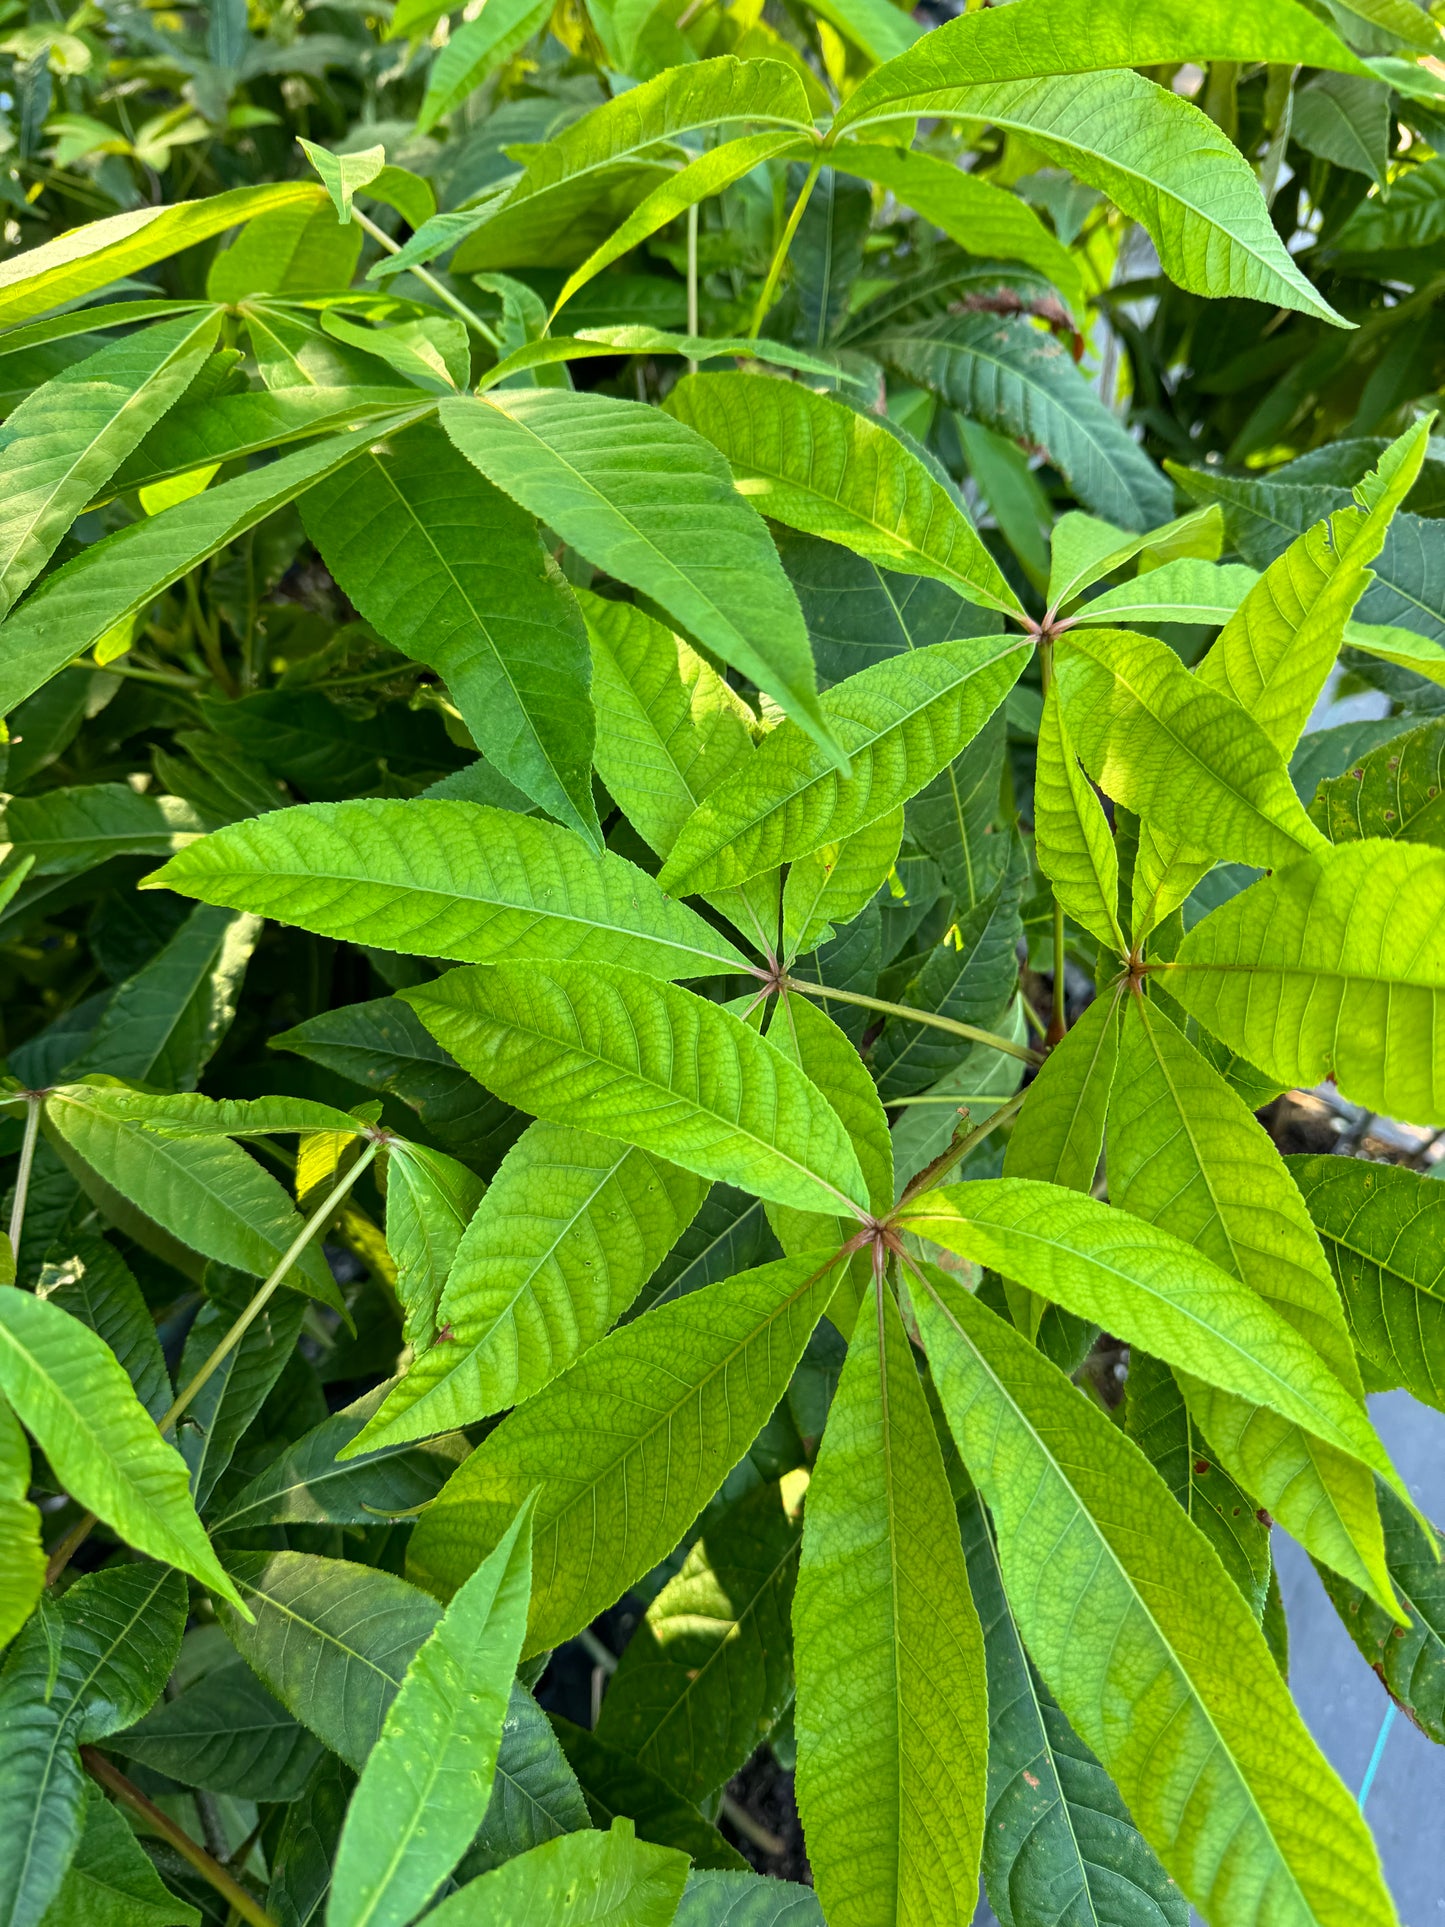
(1058, 1021)
(741, 1821)
(34, 1104)
(780, 253)
(441, 292)
(262, 1298)
(931, 1173)
(80, 1532)
(692, 278)
(970, 1031)
(211, 1871)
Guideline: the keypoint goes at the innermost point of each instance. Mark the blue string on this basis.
(1379, 1753)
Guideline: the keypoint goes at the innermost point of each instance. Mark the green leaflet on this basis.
(228, 1735)
(60, 447)
(627, 1445)
(970, 977)
(1177, 1692)
(1058, 1842)
(22, 1555)
(710, 173)
(1078, 36)
(331, 1640)
(162, 1025)
(747, 1900)
(91, 257)
(979, 216)
(206, 1192)
(954, 819)
(475, 50)
(308, 1484)
(1274, 654)
(447, 879)
(1072, 838)
(453, 573)
(85, 1666)
(1381, 1226)
(430, 1199)
(607, 1879)
(597, 343)
(649, 1063)
(615, 1786)
(535, 1796)
(118, 577)
(813, 464)
(1001, 370)
(427, 1781)
(94, 1284)
(708, 1673)
(571, 1228)
(69, 1390)
(1410, 1661)
(1156, 157)
(901, 722)
(1332, 967)
(669, 729)
(646, 499)
(1159, 1421)
(219, 1415)
(1186, 758)
(833, 883)
(570, 173)
(1150, 1287)
(300, 249)
(1185, 590)
(891, 1716)
(111, 1882)
(1082, 550)
(1393, 791)
(66, 830)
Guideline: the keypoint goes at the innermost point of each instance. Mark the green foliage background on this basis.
(671, 840)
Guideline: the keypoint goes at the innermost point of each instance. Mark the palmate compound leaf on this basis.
(627, 1445)
(1333, 967)
(61, 445)
(708, 1673)
(570, 1230)
(1192, 764)
(652, 1064)
(207, 1193)
(1058, 1843)
(1148, 1646)
(891, 1712)
(428, 1779)
(452, 572)
(815, 465)
(1186, 1154)
(449, 879)
(101, 252)
(901, 721)
(73, 1396)
(610, 1879)
(643, 497)
(1002, 371)
(121, 575)
(1383, 1230)
(1153, 153)
(1153, 1289)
